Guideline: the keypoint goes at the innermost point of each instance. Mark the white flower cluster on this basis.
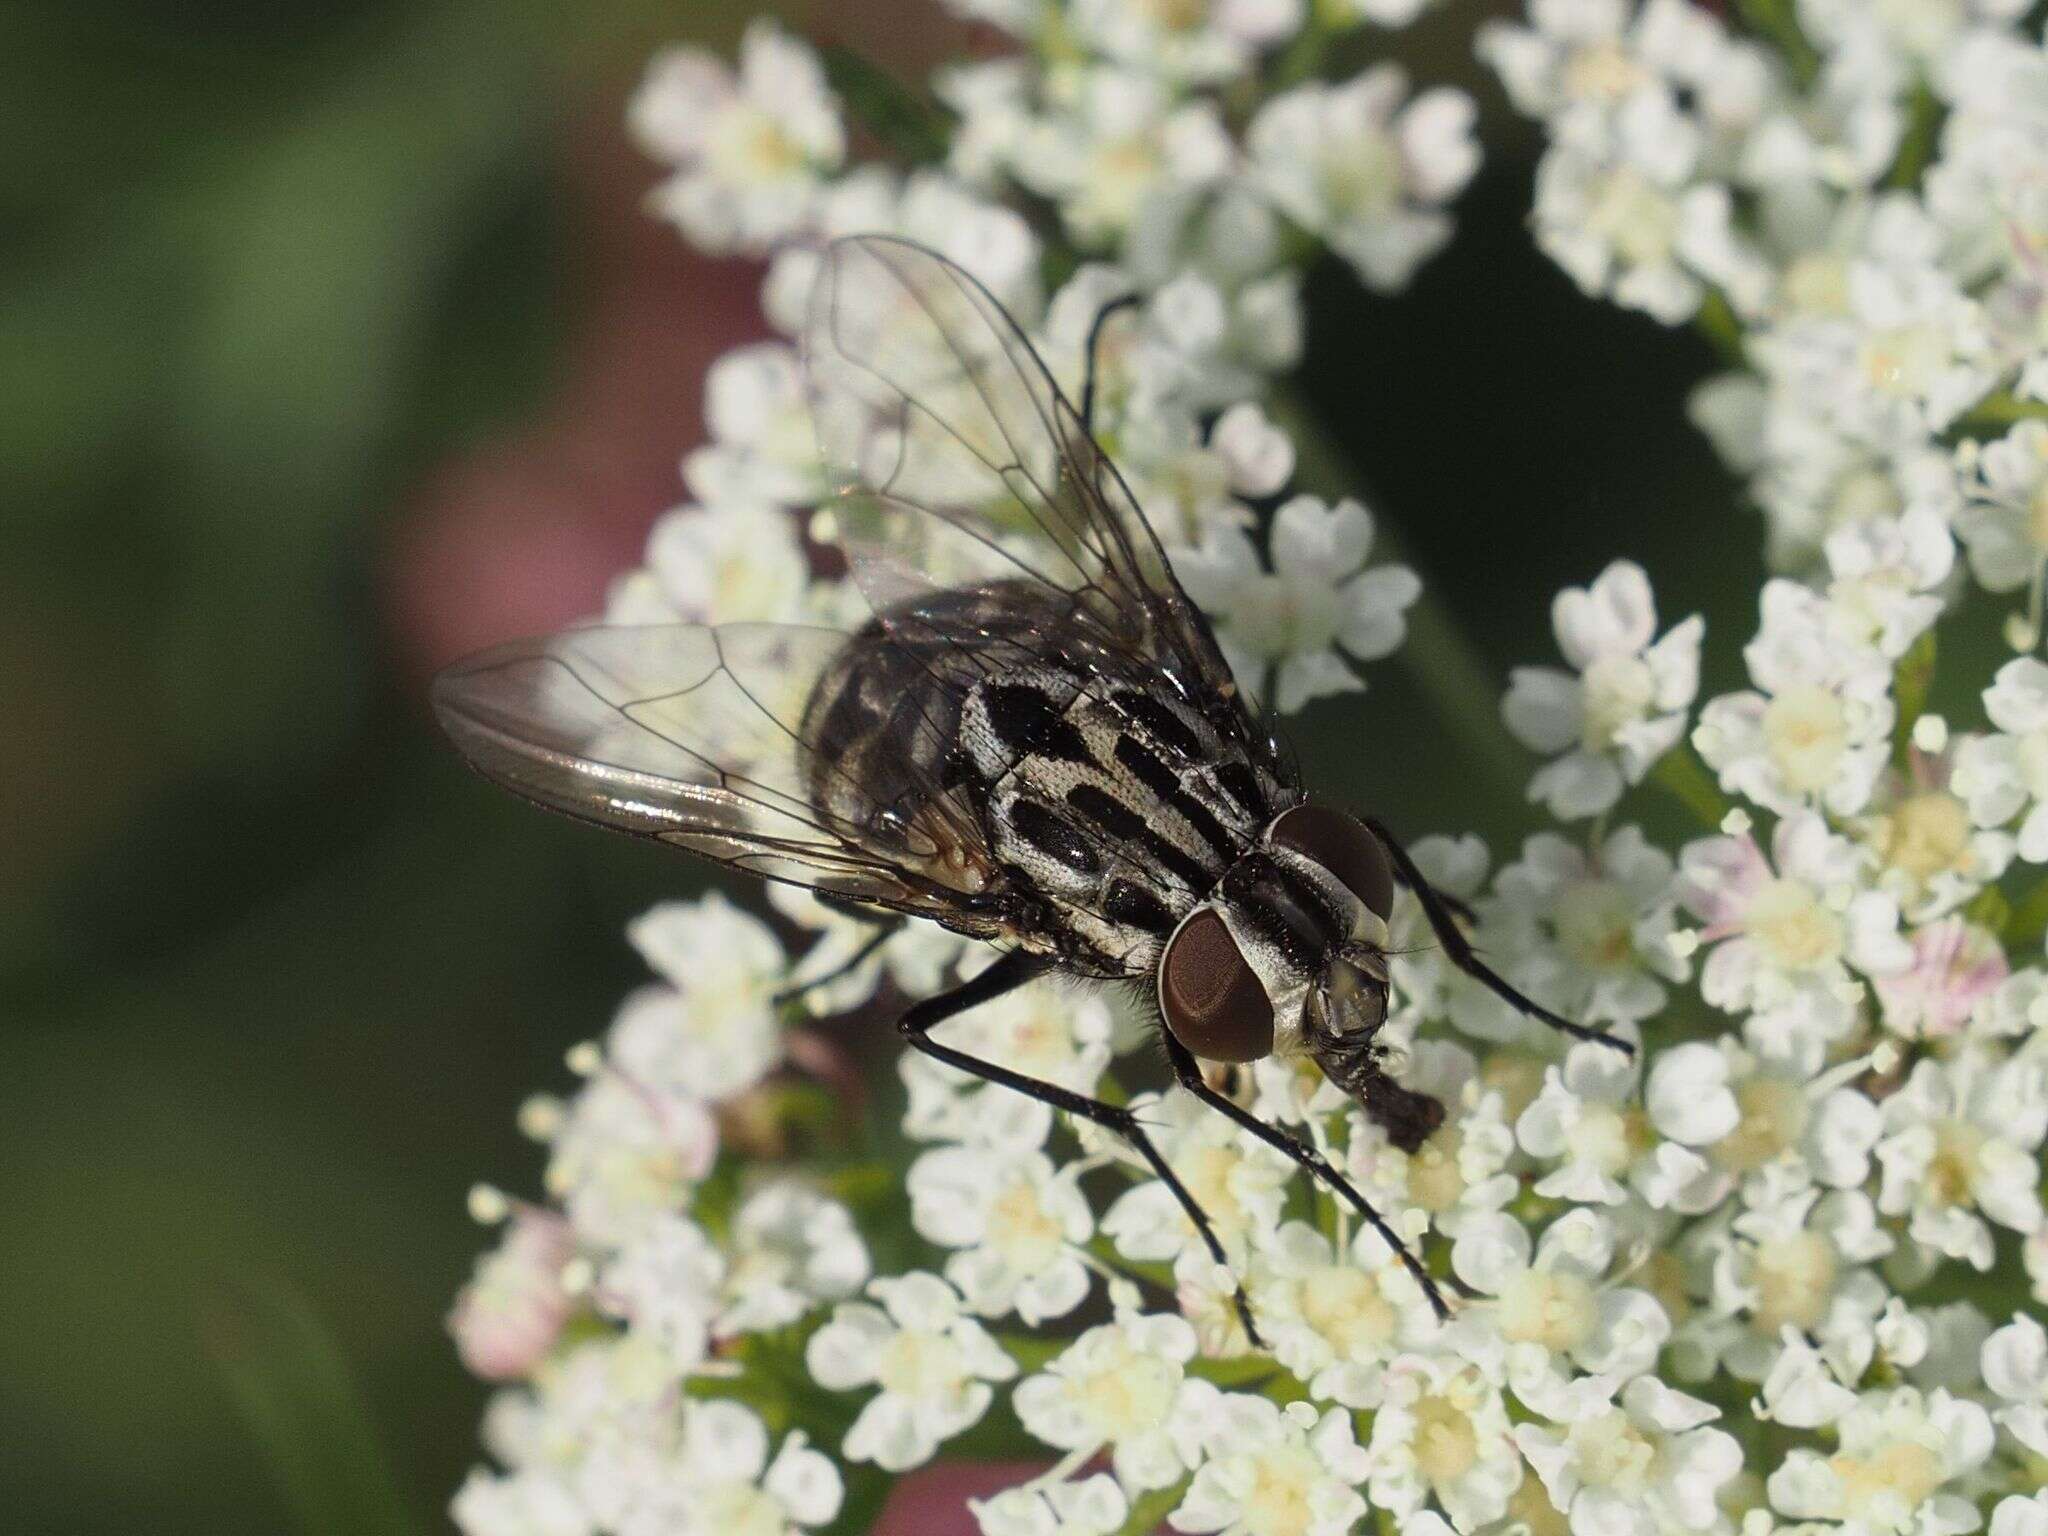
(1849, 197)
(1775, 1271)
(1131, 119)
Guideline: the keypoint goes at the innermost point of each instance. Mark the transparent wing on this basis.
(696, 736)
(959, 464)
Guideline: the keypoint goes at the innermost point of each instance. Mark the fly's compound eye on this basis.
(1343, 846)
(1211, 1000)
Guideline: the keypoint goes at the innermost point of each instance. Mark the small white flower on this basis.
(627, 1152)
(712, 1031)
(1817, 727)
(1955, 966)
(749, 149)
(1369, 175)
(2004, 521)
(1899, 1451)
(665, 1285)
(725, 564)
(537, 1502)
(719, 1481)
(1283, 630)
(1625, 707)
(1200, 43)
(1442, 1433)
(932, 1363)
(1931, 856)
(1621, 205)
(1017, 1222)
(1187, 486)
(1801, 1391)
(2016, 1369)
(1886, 575)
(1093, 1507)
(763, 452)
(1596, 930)
(1336, 1319)
(1644, 1465)
(1555, 1302)
(1271, 1471)
(1961, 1145)
(1462, 1170)
(1759, 1115)
(1795, 1259)
(1586, 1123)
(1109, 141)
(1785, 937)
(2018, 1515)
(1906, 354)
(2001, 775)
(790, 1249)
(1239, 1182)
(512, 1310)
(1119, 1387)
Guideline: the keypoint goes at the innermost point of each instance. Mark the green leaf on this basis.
(296, 1395)
(911, 126)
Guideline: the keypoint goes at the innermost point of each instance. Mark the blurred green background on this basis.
(333, 344)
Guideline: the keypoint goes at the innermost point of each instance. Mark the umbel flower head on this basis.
(1781, 1268)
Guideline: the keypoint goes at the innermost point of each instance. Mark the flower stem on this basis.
(1150, 1511)
(1438, 655)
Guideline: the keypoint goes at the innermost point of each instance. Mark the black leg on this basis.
(1189, 1071)
(1438, 910)
(1008, 973)
(884, 932)
(1102, 315)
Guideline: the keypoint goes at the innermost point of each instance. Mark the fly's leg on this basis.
(886, 928)
(1189, 1072)
(1438, 909)
(1126, 301)
(1007, 974)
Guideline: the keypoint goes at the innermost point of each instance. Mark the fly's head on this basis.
(1289, 954)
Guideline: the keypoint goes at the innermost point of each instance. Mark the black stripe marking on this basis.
(1125, 824)
(1154, 774)
(1237, 780)
(1136, 907)
(1054, 836)
(1028, 724)
(1256, 886)
(1161, 724)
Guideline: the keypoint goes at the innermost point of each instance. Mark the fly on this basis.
(1034, 740)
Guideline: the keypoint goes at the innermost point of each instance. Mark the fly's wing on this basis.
(697, 736)
(960, 464)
